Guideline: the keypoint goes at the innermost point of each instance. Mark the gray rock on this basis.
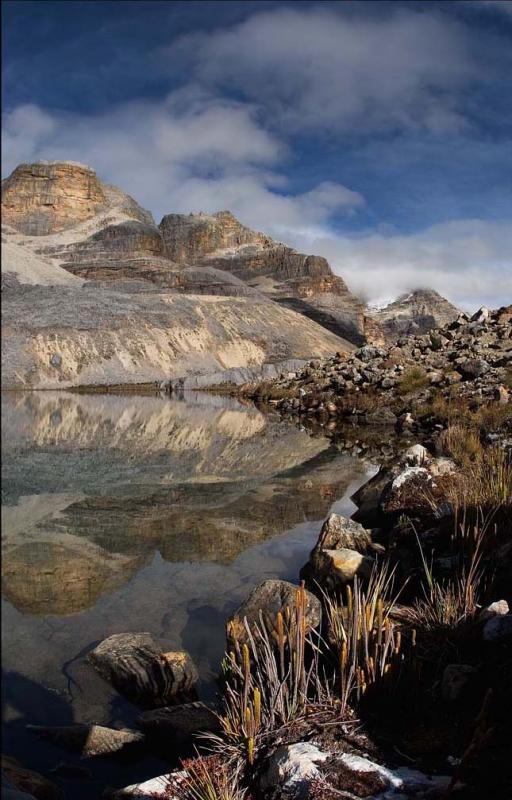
(339, 532)
(292, 768)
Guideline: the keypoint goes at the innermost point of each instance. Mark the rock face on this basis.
(415, 313)
(43, 198)
(304, 283)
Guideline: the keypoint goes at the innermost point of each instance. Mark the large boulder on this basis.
(339, 532)
(265, 602)
(342, 551)
(139, 670)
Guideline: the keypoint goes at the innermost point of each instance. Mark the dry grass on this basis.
(485, 479)
(454, 602)
(270, 681)
(366, 642)
(413, 379)
(209, 778)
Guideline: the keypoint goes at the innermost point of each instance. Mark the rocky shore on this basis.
(386, 672)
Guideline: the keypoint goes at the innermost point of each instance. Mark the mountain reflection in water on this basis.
(148, 514)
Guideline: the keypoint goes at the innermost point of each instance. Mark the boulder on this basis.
(264, 602)
(339, 532)
(496, 609)
(92, 740)
(292, 768)
(165, 786)
(139, 670)
(178, 724)
(473, 367)
(334, 568)
(415, 455)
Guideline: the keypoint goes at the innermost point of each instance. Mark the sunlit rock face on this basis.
(415, 313)
(92, 296)
(43, 198)
(304, 283)
(121, 479)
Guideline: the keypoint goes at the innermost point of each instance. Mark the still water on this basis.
(141, 514)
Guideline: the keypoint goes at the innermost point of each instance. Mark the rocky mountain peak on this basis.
(415, 312)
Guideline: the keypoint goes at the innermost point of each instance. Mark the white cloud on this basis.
(190, 152)
(467, 261)
(317, 69)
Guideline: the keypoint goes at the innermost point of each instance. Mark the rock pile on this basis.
(473, 354)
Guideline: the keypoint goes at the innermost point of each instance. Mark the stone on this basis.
(165, 786)
(381, 416)
(473, 367)
(177, 724)
(292, 768)
(498, 629)
(27, 781)
(455, 681)
(91, 741)
(501, 395)
(496, 609)
(339, 532)
(415, 455)
(334, 568)
(264, 603)
(482, 315)
(137, 668)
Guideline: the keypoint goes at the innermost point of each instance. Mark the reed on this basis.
(272, 679)
(367, 643)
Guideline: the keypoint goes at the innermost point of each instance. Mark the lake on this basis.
(127, 513)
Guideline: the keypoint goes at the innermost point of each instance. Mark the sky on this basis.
(377, 134)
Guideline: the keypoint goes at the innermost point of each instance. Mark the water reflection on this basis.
(141, 513)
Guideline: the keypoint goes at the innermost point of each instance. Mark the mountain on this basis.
(304, 283)
(415, 313)
(91, 296)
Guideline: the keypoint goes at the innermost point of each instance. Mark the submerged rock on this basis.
(138, 669)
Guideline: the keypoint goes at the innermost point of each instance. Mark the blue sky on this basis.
(377, 134)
